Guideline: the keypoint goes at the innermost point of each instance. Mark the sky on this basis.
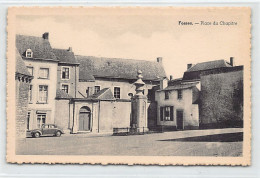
(144, 35)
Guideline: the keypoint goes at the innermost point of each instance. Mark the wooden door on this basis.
(84, 121)
(179, 114)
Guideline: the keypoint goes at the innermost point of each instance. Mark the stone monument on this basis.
(139, 106)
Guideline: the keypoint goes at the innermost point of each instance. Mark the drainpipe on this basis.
(92, 118)
(73, 124)
(75, 80)
(98, 114)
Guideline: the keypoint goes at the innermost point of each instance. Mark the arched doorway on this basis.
(84, 119)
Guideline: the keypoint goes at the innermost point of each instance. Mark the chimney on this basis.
(231, 62)
(189, 66)
(171, 77)
(45, 35)
(70, 49)
(159, 60)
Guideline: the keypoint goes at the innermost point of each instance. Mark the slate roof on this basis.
(209, 65)
(20, 65)
(104, 94)
(65, 56)
(40, 47)
(91, 67)
(181, 86)
(60, 94)
(194, 72)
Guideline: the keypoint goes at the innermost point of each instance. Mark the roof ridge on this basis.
(30, 36)
(119, 58)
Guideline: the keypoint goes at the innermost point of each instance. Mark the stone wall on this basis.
(22, 90)
(114, 114)
(62, 115)
(222, 100)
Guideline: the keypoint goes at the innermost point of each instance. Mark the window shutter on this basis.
(161, 113)
(171, 113)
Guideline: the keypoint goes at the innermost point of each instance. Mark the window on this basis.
(29, 53)
(179, 94)
(30, 94)
(166, 113)
(30, 70)
(117, 92)
(43, 93)
(44, 73)
(28, 120)
(65, 73)
(41, 118)
(65, 88)
(97, 89)
(166, 95)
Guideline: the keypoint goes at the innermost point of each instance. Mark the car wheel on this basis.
(58, 134)
(37, 135)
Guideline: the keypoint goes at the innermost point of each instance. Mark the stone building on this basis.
(67, 86)
(96, 73)
(178, 106)
(42, 64)
(22, 83)
(105, 88)
(210, 95)
(83, 93)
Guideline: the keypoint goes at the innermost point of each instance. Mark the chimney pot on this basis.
(159, 59)
(231, 62)
(70, 49)
(171, 77)
(45, 36)
(189, 66)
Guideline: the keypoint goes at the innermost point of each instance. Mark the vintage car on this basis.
(47, 130)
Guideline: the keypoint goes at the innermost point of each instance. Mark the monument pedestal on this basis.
(139, 120)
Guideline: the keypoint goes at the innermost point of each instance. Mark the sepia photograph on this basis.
(129, 85)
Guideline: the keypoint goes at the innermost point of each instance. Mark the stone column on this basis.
(139, 121)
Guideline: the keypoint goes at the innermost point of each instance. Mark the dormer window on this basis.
(29, 53)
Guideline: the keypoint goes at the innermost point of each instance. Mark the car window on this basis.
(52, 126)
(45, 126)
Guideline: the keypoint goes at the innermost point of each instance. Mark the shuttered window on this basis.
(167, 113)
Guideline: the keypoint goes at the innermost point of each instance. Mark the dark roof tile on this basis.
(40, 47)
(194, 72)
(91, 67)
(65, 56)
(20, 65)
(181, 86)
(209, 65)
(60, 94)
(104, 94)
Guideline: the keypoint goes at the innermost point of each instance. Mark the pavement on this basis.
(213, 142)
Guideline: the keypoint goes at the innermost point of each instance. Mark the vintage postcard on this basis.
(129, 85)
